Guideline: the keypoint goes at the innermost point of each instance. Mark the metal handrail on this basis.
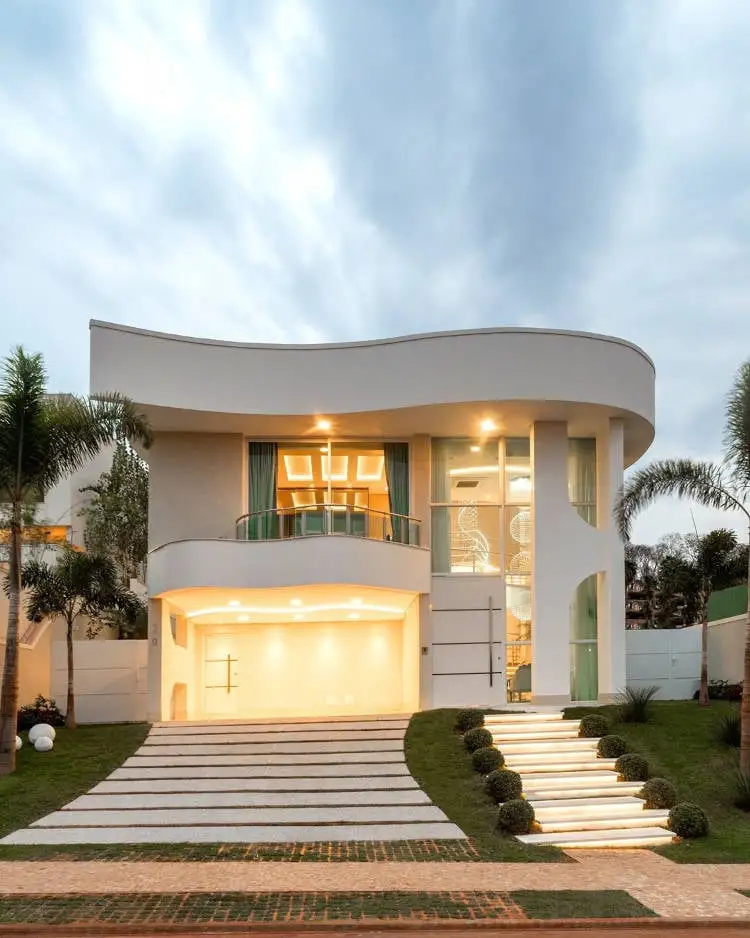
(321, 519)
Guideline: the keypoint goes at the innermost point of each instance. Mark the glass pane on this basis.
(518, 668)
(466, 539)
(583, 611)
(584, 680)
(582, 478)
(465, 471)
(518, 472)
(518, 609)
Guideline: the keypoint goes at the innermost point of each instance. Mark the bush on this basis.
(515, 817)
(478, 738)
(634, 704)
(722, 690)
(659, 793)
(728, 729)
(688, 820)
(611, 747)
(41, 711)
(742, 791)
(469, 719)
(504, 785)
(593, 725)
(487, 759)
(632, 767)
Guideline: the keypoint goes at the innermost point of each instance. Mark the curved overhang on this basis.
(438, 384)
(304, 561)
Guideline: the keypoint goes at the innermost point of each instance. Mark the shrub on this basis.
(487, 759)
(688, 820)
(632, 767)
(728, 729)
(504, 785)
(659, 793)
(41, 711)
(515, 817)
(593, 725)
(722, 690)
(478, 738)
(742, 791)
(634, 704)
(611, 747)
(469, 719)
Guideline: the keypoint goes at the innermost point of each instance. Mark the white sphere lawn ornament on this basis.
(41, 729)
(19, 743)
(43, 744)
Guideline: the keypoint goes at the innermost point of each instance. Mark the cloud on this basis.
(318, 169)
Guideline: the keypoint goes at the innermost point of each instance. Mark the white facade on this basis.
(383, 526)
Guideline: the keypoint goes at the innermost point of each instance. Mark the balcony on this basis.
(319, 520)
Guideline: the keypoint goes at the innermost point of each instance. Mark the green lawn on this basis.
(680, 745)
(439, 762)
(45, 781)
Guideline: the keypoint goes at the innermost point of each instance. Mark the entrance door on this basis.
(221, 676)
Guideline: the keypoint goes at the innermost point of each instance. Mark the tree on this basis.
(79, 585)
(724, 487)
(43, 439)
(117, 517)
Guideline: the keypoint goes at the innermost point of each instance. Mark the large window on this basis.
(584, 671)
(582, 478)
(517, 531)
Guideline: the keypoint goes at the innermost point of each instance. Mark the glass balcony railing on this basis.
(283, 523)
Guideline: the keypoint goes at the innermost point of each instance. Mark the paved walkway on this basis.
(671, 890)
(254, 782)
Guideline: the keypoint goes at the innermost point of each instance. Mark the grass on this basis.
(45, 781)
(681, 744)
(135, 909)
(437, 759)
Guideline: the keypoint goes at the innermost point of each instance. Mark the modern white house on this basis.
(385, 526)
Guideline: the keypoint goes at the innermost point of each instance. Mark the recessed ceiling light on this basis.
(488, 425)
(243, 619)
(299, 616)
(295, 602)
(233, 602)
(324, 449)
(323, 424)
(475, 449)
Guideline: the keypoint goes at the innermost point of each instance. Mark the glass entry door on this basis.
(221, 676)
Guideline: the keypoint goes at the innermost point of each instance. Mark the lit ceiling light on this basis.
(475, 449)
(356, 602)
(487, 425)
(295, 602)
(233, 602)
(353, 615)
(243, 619)
(370, 468)
(298, 467)
(323, 424)
(299, 616)
(324, 449)
(283, 611)
(339, 471)
(473, 470)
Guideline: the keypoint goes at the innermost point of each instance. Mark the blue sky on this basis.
(342, 169)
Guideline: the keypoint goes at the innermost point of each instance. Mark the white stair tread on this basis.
(552, 794)
(558, 757)
(552, 746)
(523, 765)
(648, 836)
(559, 803)
(644, 819)
(577, 778)
(498, 718)
(551, 732)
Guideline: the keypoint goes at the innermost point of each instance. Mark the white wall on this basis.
(726, 644)
(667, 658)
(110, 678)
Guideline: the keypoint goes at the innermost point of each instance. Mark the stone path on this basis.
(682, 891)
(243, 782)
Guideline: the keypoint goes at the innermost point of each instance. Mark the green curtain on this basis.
(584, 669)
(262, 465)
(441, 522)
(397, 477)
(582, 477)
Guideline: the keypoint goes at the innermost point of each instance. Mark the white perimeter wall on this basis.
(726, 642)
(111, 681)
(667, 658)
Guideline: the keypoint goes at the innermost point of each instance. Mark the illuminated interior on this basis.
(354, 473)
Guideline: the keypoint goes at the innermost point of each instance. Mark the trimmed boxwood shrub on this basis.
(688, 820)
(593, 725)
(515, 817)
(41, 711)
(659, 793)
(487, 759)
(612, 747)
(478, 738)
(504, 785)
(469, 719)
(632, 767)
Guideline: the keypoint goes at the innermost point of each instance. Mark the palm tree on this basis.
(44, 439)
(724, 487)
(79, 585)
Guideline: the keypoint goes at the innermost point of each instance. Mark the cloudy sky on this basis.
(347, 169)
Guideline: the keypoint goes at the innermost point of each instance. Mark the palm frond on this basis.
(22, 405)
(701, 482)
(737, 429)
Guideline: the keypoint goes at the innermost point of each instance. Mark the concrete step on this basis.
(581, 779)
(640, 837)
(646, 818)
(586, 807)
(616, 789)
(573, 763)
(534, 746)
(498, 719)
(568, 729)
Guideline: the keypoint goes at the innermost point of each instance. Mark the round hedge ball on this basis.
(688, 820)
(487, 759)
(593, 726)
(515, 817)
(43, 744)
(504, 785)
(632, 767)
(469, 719)
(612, 747)
(39, 730)
(478, 738)
(659, 793)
